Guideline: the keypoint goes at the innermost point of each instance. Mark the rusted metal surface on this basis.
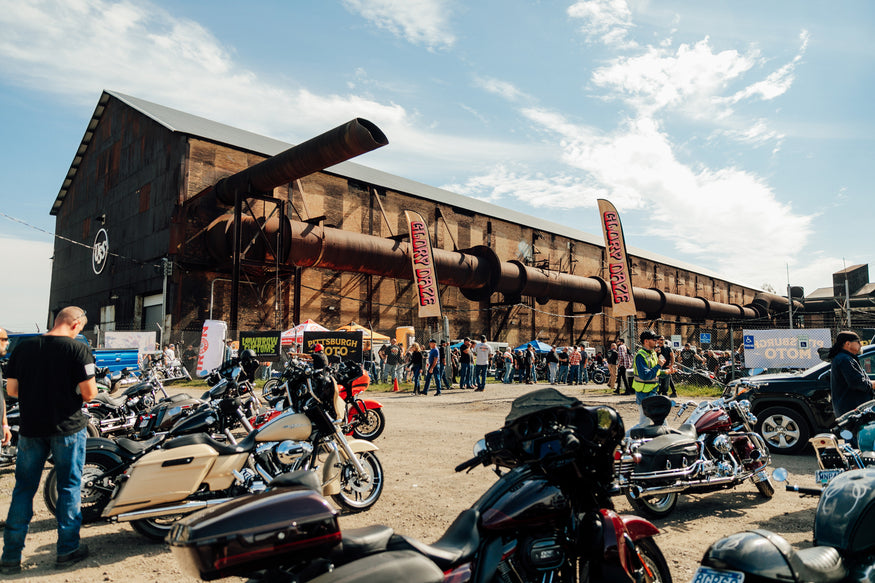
(477, 271)
(334, 146)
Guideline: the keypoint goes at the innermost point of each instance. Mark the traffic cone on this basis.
(395, 384)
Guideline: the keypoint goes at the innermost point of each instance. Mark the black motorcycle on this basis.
(844, 540)
(549, 517)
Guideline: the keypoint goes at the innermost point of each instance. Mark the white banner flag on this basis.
(212, 347)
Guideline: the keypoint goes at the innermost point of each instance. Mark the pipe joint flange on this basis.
(490, 257)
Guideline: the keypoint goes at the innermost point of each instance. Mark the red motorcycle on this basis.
(717, 448)
(364, 418)
(548, 517)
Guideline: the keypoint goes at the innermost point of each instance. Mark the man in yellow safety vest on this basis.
(648, 369)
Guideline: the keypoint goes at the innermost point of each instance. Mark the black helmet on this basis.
(649, 335)
(247, 354)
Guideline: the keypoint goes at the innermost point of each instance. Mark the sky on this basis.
(734, 135)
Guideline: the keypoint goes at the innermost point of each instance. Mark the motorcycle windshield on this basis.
(537, 401)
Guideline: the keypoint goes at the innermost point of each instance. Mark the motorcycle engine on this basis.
(722, 444)
(534, 557)
(288, 452)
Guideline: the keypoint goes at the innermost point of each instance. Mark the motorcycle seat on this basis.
(114, 402)
(137, 447)
(651, 431)
(359, 542)
(457, 545)
(821, 564)
(245, 446)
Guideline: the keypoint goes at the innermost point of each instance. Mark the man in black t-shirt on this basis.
(666, 383)
(52, 375)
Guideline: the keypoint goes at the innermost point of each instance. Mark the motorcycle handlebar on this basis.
(804, 491)
(467, 465)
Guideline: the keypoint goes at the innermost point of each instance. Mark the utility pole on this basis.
(847, 295)
(789, 297)
(167, 270)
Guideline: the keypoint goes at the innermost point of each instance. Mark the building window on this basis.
(107, 318)
(152, 313)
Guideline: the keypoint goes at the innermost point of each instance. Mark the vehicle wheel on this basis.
(598, 377)
(355, 494)
(370, 425)
(784, 430)
(97, 487)
(765, 487)
(269, 389)
(155, 529)
(654, 506)
(654, 560)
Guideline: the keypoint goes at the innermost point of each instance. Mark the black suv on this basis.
(791, 407)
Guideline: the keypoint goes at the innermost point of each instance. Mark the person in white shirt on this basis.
(483, 354)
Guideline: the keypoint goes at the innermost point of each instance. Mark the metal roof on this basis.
(192, 125)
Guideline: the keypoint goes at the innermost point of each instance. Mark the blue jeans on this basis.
(416, 371)
(436, 373)
(480, 375)
(508, 372)
(563, 374)
(68, 452)
(464, 375)
(573, 374)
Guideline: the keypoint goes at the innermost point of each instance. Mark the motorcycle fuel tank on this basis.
(529, 503)
(846, 513)
(289, 425)
(715, 420)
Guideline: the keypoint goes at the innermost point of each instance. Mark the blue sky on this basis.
(734, 135)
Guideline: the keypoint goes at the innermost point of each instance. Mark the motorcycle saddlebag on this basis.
(259, 531)
(667, 452)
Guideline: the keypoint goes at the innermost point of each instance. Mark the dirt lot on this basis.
(425, 438)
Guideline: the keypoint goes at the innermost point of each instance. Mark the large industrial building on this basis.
(157, 252)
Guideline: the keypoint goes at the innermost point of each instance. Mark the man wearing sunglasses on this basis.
(52, 375)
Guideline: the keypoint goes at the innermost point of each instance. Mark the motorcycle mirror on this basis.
(846, 435)
(480, 447)
(780, 474)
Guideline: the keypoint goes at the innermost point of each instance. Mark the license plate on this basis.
(709, 575)
(823, 477)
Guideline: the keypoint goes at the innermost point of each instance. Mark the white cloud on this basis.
(501, 88)
(421, 22)
(685, 80)
(52, 46)
(27, 269)
(605, 21)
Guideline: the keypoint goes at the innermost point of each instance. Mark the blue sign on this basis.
(705, 338)
(749, 344)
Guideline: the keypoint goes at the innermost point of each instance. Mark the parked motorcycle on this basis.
(364, 417)
(124, 480)
(836, 452)
(844, 540)
(548, 517)
(599, 374)
(715, 449)
(698, 377)
(112, 381)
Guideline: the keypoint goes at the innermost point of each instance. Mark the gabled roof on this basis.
(866, 290)
(199, 127)
(820, 293)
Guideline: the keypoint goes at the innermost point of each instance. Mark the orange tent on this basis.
(368, 334)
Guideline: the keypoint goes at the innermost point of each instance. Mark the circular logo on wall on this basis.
(99, 251)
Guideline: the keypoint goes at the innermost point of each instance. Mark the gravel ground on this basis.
(425, 438)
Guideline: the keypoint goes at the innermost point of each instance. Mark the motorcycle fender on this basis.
(163, 476)
(331, 468)
(637, 527)
(331, 475)
(367, 404)
(108, 447)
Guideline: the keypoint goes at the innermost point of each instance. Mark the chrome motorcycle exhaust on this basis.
(184, 508)
(684, 486)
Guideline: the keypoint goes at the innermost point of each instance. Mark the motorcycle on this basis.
(715, 449)
(836, 452)
(599, 374)
(108, 381)
(364, 417)
(843, 551)
(548, 517)
(127, 481)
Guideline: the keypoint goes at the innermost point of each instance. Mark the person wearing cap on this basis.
(666, 383)
(465, 365)
(482, 355)
(648, 369)
(320, 361)
(849, 384)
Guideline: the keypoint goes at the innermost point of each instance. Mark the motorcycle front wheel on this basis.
(765, 487)
(370, 425)
(96, 489)
(598, 377)
(654, 560)
(356, 494)
(654, 506)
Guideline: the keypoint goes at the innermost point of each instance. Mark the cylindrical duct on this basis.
(334, 146)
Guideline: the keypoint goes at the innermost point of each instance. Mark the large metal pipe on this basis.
(334, 146)
(478, 271)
